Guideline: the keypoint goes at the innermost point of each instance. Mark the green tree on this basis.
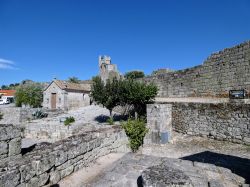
(4, 87)
(106, 94)
(137, 94)
(134, 74)
(29, 94)
(74, 80)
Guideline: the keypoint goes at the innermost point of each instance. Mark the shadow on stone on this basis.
(239, 166)
(27, 149)
(139, 181)
(116, 117)
(55, 185)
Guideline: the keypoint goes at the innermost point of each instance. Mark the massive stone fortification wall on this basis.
(222, 71)
(47, 164)
(225, 121)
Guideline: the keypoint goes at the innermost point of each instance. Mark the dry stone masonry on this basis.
(223, 71)
(48, 163)
(222, 121)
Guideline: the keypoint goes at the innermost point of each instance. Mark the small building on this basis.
(66, 95)
(8, 95)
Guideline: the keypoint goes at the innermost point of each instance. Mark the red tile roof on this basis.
(7, 92)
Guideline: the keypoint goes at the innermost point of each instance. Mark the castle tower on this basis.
(106, 69)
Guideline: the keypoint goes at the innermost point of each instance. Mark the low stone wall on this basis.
(10, 142)
(16, 115)
(220, 121)
(47, 164)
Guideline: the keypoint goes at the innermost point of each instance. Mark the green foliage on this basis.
(106, 94)
(123, 92)
(110, 121)
(137, 94)
(134, 74)
(12, 86)
(74, 80)
(69, 120)
(39, 114)
(1, 116)
(29, 94)
(136, 131)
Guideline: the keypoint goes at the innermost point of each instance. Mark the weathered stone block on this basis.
(44, 164)
(3, 148)
(67, 171)
(55, 177)
(10, 178)
(15, 146)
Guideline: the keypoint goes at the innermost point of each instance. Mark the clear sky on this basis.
(43, 39)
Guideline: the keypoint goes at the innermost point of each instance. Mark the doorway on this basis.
(53, 101)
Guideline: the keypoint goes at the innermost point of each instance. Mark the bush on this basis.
(69, 120)
(110, 121)
(30, 94)
(136, 131)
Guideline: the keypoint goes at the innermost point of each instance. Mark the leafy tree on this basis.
(74, 80)
(29, 94)
(4, 87)
(137, 94)
(106, 94)
(123, 92)
(134, 74)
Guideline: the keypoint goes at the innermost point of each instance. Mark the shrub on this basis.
(69, 120)
(136, 131)
(110, 121)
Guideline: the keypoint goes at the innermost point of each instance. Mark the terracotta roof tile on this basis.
(7, 92)
(64, 85)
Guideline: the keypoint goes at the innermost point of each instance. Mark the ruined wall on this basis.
(220, 121)
(222, 71)
(16, 115)
(10, 142)
(48, 164)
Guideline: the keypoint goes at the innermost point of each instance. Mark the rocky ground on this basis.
(204, 162)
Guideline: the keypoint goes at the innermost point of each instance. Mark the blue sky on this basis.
(43, 39)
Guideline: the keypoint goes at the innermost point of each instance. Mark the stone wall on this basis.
(47, 164)
(222, 71)
(10, 142)
(220, 121)
(16, 115)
